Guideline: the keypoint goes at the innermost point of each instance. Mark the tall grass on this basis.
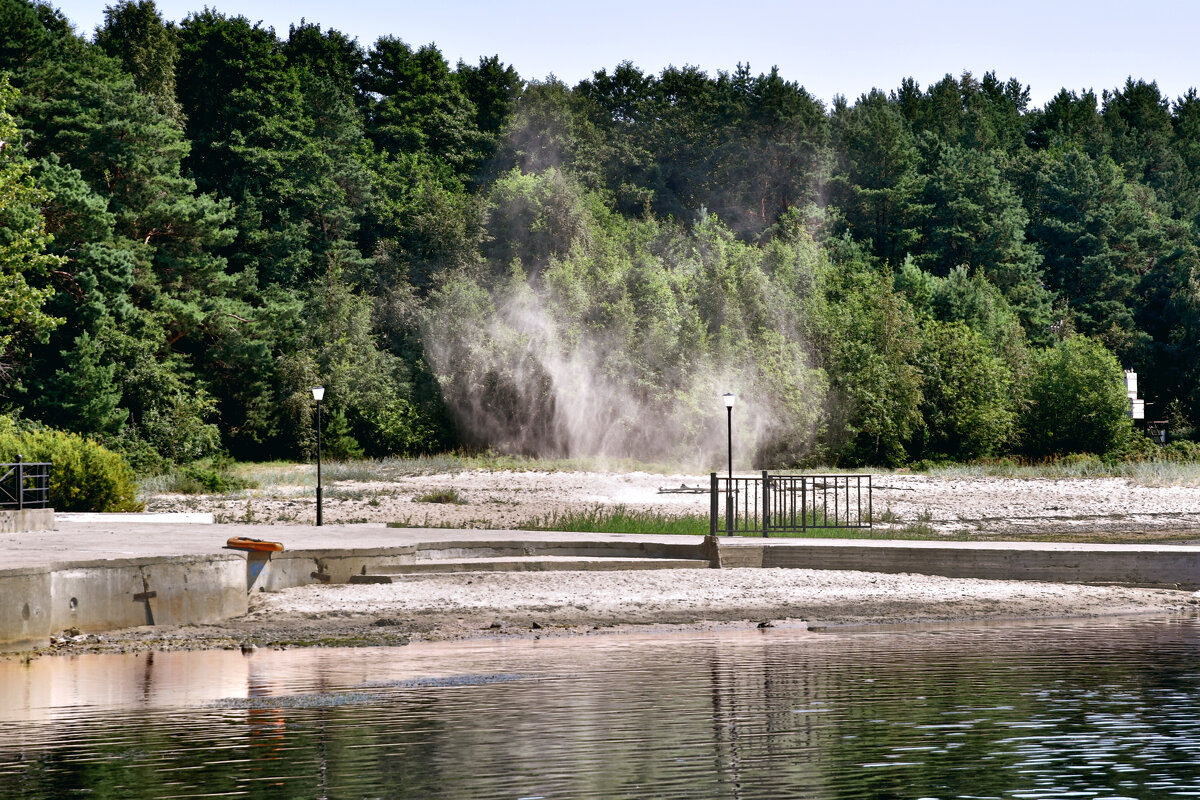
(619, 519)
(386, 469)
(1150, 473)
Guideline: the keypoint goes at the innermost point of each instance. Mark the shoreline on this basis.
(464, 606)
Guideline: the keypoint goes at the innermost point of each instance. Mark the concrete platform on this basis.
(98, 573)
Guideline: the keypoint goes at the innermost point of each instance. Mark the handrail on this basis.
(789, 503)
(24, 484)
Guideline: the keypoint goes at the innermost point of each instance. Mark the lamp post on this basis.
(318, 395)
(729, 399)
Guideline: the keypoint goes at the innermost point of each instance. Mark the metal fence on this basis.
(24, 484)
(788, 503)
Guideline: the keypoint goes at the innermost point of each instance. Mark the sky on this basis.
(830, 47)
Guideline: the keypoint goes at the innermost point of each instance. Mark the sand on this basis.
(447, 607)
(573, 603)
(988, 506)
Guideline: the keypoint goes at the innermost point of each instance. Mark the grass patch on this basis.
(1153, 472)
(619, 519)
(446, 496)
(202, 477)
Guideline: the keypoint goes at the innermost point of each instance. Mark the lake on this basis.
(1095, 709)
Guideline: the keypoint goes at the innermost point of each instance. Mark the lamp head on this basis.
(729, 398)
(318, 393)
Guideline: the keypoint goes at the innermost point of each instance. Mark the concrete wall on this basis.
(29, 519)
(24, 608)
(105, 595)
(1168, 566)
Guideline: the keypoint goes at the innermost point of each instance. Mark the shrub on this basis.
(84, 475)
(447, 496)
(1077, 401)
(1182, 451)
(208, 478)
(966, 393)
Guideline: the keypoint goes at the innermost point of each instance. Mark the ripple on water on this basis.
(1107, 710)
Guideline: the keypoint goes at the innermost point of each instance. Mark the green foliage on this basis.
(200, 222)
(443, 496)
(210, 477)
(871, 342)
(24, 260)
(1076, 401)
(134, 34)
(967, 401)
(84, 476)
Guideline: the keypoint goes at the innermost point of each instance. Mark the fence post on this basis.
(766, 502)
(713, 507)
(803, 503)
(20, 482)
(870, 502)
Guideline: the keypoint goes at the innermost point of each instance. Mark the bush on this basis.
(208, 477)
(445, 496)
(1077, 401)
(1182, 451)
(966, 393)
(84, 476)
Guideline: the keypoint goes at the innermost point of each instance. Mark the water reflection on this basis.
(1031, 711)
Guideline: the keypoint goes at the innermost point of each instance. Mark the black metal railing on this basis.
(788, 503)
(24, 484)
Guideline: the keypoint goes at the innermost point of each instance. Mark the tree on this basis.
(1097, 239)
(877, 180)
(869, 345)
(1137, 121)
(975, 218)
(967, 402)
(493, 88)
(414, 104)
(775, 154)
(24, 257)
(134, 33)
(1069, 120)
(1076, 401)
(1185, 117)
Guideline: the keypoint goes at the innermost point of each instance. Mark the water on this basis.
(1098, 710)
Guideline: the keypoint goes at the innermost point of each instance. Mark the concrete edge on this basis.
(26, 520)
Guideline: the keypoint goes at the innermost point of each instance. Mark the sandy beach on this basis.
(507, 499)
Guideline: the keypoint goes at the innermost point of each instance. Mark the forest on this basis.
(201, 221)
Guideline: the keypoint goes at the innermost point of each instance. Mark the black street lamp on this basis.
(318, 395)
(729, 399)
